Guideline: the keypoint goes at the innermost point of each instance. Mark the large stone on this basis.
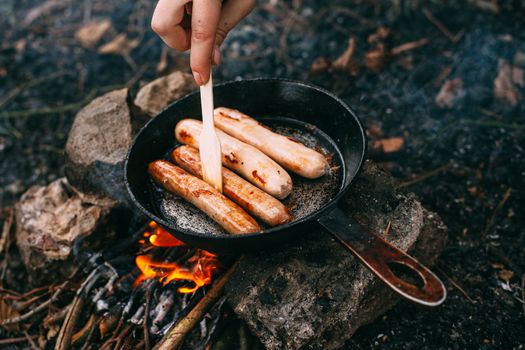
(154, 96)
(313, 294)
(98, 143)
(50, 220)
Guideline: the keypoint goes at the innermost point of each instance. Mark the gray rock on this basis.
(313, 294)
(50, 219)
(154, 96)
(98, 143)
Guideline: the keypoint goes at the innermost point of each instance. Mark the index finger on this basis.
(204, 22)
(167, 23)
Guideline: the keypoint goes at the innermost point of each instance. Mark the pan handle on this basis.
(380, 256)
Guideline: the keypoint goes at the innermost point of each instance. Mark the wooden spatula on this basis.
(209, 145)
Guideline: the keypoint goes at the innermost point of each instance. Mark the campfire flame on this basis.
(199, 268)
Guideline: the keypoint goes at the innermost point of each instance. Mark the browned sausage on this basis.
(222, 210)
(252, 199)
(289, 153)
(246, 160)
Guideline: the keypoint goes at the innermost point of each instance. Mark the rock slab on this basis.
(49, 221)
(313, 294)
(156, 95)
(98, 143)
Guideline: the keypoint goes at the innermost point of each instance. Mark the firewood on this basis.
(176, 335)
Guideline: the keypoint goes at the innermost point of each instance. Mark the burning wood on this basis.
(200, 267)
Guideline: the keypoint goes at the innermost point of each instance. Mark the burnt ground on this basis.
(466, 161)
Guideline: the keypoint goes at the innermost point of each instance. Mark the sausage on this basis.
(199, 193)
(291, 154)
(242, 158)
(253, 200)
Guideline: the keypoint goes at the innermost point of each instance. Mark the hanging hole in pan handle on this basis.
(398, 270)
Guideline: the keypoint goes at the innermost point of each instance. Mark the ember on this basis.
(199, 268)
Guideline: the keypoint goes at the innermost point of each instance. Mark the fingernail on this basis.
(198, 78)
(216, 55)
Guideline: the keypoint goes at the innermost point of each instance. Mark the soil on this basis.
(465, 162)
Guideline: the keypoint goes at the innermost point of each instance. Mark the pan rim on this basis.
(307, 218)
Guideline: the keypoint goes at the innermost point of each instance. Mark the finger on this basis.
(233, 11)
(204, 21)
(166, 22)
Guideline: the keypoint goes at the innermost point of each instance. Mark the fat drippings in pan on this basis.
(307, 195)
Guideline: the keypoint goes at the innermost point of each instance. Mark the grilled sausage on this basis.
(253, 200)
(242, 158)
(291, 154)
(199, 193)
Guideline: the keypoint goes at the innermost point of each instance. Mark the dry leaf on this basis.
(90, 34)
(505, 83)
(6, 311)
(346, 62)
(451, 91)
(374, 129)
(407, 62)
(380, 35)
(320, 64)
(390, 145)
(20, 45)
(120, 45)
(377, 58)
(505, 275)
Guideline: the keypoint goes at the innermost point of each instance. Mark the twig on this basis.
(23, 305)
(5, 242)
(411, 45)
(504, 259)
(492, 219)
(31, 341)
(138, 74)
(423, 176)
(494, 123)
(243, 341)
(16, 340)
(6, 229)
(387, 229)
(66, 331)
(146, 313)
(176, 335)
(19, 89)
(122, 335)
(523, 293)
(37, 309)
(456, 285)
(60, 109)
(453, 38)
(12, 292)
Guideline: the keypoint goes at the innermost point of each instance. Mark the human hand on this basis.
(199, 26)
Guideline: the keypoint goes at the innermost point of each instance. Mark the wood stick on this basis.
(176, 335)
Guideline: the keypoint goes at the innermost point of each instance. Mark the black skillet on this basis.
(310, 114)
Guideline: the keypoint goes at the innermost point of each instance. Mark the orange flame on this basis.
(199, 269)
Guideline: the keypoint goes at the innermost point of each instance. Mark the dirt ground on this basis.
(461, 152)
